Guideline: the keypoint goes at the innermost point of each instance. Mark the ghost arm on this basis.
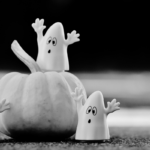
(38, 28)
(4, 106)
(24, 57)
(112, 106)
(78, 97)
(72, 38)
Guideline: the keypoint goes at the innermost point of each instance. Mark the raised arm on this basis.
(38, 28)
(72, 38)
(112, 106)
(78, 97)
(4, 106)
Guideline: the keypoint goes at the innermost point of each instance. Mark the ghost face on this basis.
(51, 43)
(91, 112)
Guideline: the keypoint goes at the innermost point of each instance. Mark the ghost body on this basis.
(52, 47)
(52, 54)
(92, 116)
(92, 119)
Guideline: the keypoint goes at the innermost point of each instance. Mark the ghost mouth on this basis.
(89, 121)
(49, 51)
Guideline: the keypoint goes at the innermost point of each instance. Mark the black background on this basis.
(113, 35)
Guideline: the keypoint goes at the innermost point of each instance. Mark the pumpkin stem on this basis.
(24, 57)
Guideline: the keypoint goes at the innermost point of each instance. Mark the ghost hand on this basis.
(78, 97)
(72, 38)
(4, 106)
(112, 106)
(38, 28)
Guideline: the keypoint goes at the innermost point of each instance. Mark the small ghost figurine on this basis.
(92, 123)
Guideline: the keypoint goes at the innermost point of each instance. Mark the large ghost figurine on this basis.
(92, 123)
(52, 47)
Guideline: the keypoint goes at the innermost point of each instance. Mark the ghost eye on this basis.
(94, 111)
(54, 41)
(49, 40)
(88, 109)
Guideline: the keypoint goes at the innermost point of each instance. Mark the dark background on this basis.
(114, 35)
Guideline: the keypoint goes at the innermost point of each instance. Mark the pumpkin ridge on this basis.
(57, 101)
(63, 78)
(47, 89)
(32, 105)
(22, 85)
(4, 80)
(11, 80)
(8, 116)
(70, 90)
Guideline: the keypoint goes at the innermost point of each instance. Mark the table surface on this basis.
(129, 138)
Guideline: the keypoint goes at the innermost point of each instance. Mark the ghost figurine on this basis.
(52, 48)
(92, 123)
